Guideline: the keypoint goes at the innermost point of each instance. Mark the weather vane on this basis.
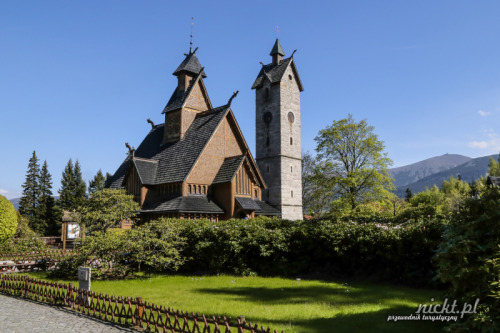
(191, 41)
(277, 32)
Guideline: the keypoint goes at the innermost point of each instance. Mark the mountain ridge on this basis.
(414, 172)
(469, 171)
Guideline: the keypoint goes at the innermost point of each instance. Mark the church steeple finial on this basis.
(191, 40)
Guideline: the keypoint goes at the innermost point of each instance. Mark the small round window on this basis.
(291, 117)
(290, 77)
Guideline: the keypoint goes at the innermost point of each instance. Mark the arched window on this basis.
(189, 189)
(267, 96)
(291, 141)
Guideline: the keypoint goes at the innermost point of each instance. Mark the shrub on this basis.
(469, 260)
(8, 219)
(116, 253)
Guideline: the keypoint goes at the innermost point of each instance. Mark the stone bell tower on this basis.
(278, 141)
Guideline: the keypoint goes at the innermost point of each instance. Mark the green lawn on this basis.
(284, 304)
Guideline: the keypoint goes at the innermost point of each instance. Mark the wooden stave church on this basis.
(197, 164)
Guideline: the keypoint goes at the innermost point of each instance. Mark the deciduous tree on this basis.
(8, 219)
(353, 163)
(107, 208)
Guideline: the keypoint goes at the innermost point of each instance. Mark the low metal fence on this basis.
(124, 311)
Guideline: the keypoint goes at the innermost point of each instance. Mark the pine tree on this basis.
(73, 188)
(67, 185)
(31, 191)
(80, 186)
(408, 195)
(97, 184)
(49, 214)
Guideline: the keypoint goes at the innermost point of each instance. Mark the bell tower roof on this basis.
(190, 65)
(277, 49)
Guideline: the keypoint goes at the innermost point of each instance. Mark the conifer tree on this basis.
(80, 186)
(73, 188)
(408, 195)
(97, 184)
(31, 191)
(49, 214)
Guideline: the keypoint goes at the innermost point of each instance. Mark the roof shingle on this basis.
(175, 159)
(190, 64)
(247, 203)
(266, 209)
(189, 204)
(228, 169)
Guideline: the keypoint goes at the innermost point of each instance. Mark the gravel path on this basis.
(19, 316)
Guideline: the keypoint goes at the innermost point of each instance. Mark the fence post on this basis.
(26, 286)
(241, 324)
(139, 311)
(69, 295)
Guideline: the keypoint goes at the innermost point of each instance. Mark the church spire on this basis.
(191, 40)
(277, 52)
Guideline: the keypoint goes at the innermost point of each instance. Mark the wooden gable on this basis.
(133, 183)
(221, 145)
(198, 98)
(227, 141)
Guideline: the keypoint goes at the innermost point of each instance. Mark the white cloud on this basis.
(483, 113)
(2, 191)
(491, 143)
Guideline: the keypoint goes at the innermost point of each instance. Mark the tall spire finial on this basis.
(277, 32)
(191, 40)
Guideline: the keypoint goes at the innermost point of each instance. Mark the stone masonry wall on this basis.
(280, 161)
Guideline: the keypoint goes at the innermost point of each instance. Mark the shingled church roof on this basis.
(228, 169)
(191, 65)
(274, 73)
(192, 204)
(173, 160)
(179, 97)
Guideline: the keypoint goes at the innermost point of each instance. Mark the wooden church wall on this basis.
(223, 144)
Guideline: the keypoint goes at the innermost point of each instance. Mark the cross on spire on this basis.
(191, 40)
(277, 32)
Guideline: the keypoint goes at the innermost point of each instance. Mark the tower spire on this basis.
(191, 40)
(277, 52)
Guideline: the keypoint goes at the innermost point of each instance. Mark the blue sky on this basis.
(78, 79)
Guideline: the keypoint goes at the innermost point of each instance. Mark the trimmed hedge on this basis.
(271, 247)
(397, 253)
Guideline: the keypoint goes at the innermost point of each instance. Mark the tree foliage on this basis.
(37, 202)
(49, 214)
(98, 183)
(24, 240)
(494, 167)
(73, 188)
(106, 209)
(316, 198)
(152, 247)
(352, 162)
(8, 219)
(31, 190)
(469, 260)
